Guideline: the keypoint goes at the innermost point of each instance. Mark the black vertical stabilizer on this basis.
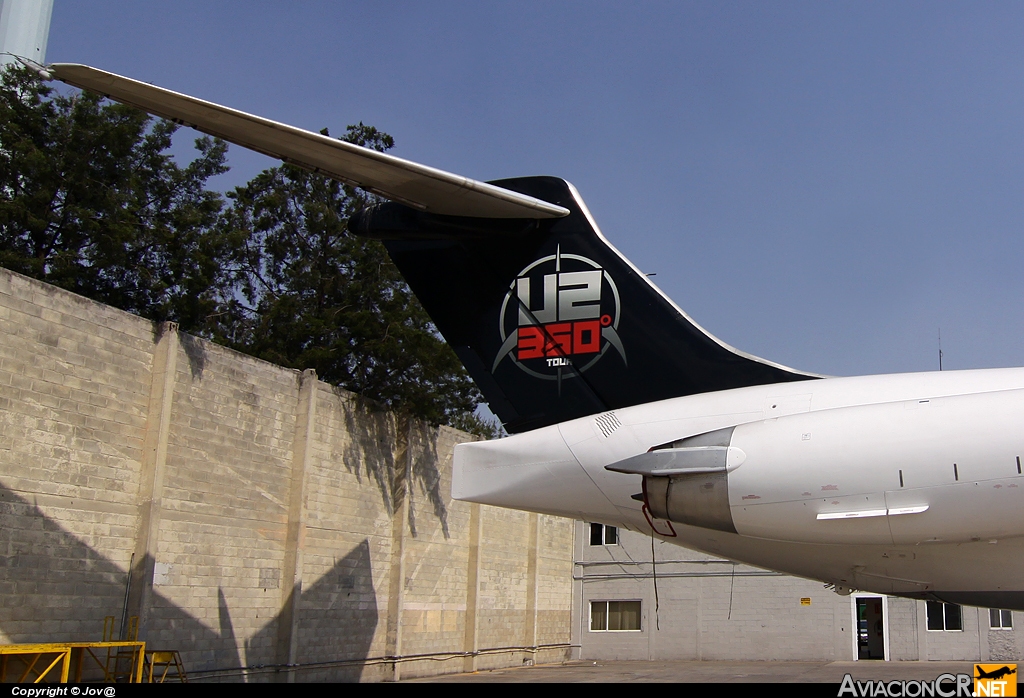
(551, 321)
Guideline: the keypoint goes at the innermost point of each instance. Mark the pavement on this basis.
(707, 672)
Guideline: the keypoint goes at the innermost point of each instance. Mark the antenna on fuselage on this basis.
(940, 348)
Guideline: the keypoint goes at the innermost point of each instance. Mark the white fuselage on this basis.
(905, 483)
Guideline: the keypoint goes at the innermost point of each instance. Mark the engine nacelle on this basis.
(687, 481)
(696, 500)
(913, 472)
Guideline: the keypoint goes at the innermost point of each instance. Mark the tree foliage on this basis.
(318, 297)
(91, 200)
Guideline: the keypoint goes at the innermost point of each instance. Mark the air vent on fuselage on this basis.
(607, 423)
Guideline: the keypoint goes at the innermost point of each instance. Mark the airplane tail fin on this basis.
(550, 320)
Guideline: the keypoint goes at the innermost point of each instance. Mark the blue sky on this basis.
(821, 184)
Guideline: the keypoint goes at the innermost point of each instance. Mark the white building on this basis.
(706, 607)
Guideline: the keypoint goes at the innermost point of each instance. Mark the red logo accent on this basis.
(559, 339)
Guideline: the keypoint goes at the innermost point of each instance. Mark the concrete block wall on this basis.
(274, 527)
(903, 616)
(346, 562)
(554, 596)
(74, 384)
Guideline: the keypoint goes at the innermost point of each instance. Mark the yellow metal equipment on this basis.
(37, 661)
(124, 661)
(166, 659)
(29, 655)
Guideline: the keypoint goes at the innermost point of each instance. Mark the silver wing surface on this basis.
(424, 188)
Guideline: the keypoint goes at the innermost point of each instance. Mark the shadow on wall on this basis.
(424, 472)
(195, 349)
(54, 587)
(369, 428)
(336, 622)
(368, 454)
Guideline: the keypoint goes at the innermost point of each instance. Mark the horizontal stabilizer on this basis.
(421, 187)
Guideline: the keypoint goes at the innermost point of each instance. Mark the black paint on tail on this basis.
(550, 320)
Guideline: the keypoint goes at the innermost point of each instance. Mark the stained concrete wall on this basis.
(275, 527)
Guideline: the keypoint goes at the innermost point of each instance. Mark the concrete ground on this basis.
(708, 672)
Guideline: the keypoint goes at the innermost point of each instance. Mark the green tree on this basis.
(90, 201)
(314, 296)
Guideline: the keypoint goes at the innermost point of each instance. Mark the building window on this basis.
(603, 535)
(944, 616)
(1000, 619)
(614, 615)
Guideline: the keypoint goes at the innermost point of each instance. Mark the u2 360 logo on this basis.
(560, 316)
